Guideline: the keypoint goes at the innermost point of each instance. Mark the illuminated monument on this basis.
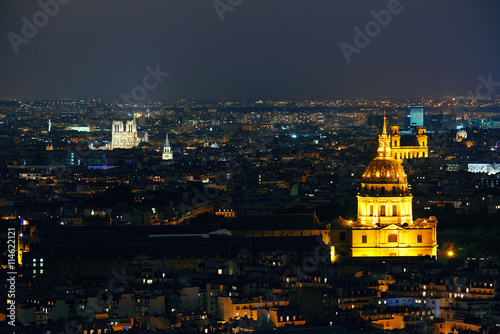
(385, 225)
(421, 150)
(128, 136)
(167, 151)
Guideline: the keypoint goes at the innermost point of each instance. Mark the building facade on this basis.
(400, 153)
(167, 151)
(385, 225)
(126, 137)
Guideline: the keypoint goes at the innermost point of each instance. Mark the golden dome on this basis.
(384, 175)
(384, 170)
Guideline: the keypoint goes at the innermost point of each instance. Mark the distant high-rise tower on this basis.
(416, 116)
(50, 125)
(167, 150)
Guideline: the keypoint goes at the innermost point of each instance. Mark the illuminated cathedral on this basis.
(128, 136)
(417, 150)
(385, 225)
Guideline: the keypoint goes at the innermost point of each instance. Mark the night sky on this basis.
(263, 49)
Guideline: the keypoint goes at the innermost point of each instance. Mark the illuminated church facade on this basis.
(167, 154)
(420, 150)
(126, 136)
(384, 225)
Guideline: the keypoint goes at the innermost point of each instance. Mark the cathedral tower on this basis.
(124, 137)
(167, 150)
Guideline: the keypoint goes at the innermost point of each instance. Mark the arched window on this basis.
(392, 254)
(382, 190)
(392, 238)
(382, 211)
(394, 189)
(372, 190)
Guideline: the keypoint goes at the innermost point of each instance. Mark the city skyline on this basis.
(247, 50)
(190, 217)
(230, 166)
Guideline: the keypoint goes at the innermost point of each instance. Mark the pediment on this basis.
(393, 227)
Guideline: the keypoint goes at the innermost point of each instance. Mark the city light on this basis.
(241, 166)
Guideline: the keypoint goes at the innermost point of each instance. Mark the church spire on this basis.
(167, 150)
(384, 142)
(384, 128)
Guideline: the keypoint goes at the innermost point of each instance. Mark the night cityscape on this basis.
(230, 166)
